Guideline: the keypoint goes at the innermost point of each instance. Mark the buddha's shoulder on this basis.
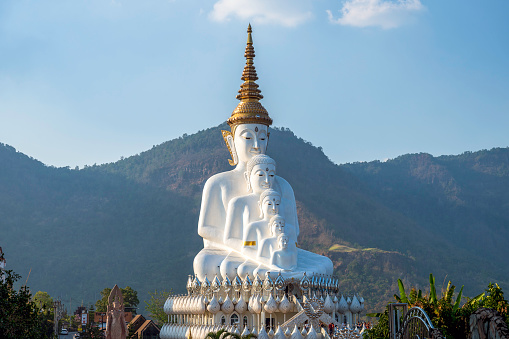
(222, 179)
(285, 186)
(243, 200)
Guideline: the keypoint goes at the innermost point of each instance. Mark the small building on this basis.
(100, 319)
(143, 328)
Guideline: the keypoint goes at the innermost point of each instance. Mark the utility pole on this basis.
(57, 312)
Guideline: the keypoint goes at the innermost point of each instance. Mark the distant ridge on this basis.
(133, 222)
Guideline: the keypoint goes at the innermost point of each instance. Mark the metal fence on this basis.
(409, 324)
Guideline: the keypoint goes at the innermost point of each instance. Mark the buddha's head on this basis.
(260, 173)
(249, 121)
(269, 202)
(250, 140)
(277, 225)
(282, 241)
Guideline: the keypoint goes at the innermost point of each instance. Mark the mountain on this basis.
(134, 222)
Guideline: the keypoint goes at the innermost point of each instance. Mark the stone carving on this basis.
(487, 323)
(116, 327)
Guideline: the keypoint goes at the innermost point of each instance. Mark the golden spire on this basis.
(249, 110)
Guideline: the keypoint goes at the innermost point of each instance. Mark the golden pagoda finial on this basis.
(249, 38)
(249, 110)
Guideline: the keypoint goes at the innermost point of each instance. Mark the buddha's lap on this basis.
(212, 261)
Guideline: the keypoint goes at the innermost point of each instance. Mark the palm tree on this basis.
(223, 334)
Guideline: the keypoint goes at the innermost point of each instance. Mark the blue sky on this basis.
(84, 82)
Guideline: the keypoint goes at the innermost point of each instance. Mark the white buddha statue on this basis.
(283, 257)
(222, 238)
(256, 231)
(243, 210)
(270, 245)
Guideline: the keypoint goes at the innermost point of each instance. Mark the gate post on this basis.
(397, 312)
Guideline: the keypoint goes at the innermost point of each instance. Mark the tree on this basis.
(19, 315)
(223, 334)
(381, 329)
(495, 299)
(130, 299)
(155, 306)
(43, 301)
(91, 331)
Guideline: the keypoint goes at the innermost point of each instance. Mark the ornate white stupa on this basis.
(250, 276)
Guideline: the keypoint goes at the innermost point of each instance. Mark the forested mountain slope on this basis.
(133, 222)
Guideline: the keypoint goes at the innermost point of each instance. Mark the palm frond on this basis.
(458, 300)
(402, 293)
(433, 291)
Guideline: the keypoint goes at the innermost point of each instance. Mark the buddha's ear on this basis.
(228, 139)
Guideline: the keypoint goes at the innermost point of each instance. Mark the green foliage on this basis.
(451, 318)
(495, 299)
(43, 301)
(223, 334)
(130, 299)
(238, 336)
(381, 329)
(19, 315)
(91, 332)
(458, 300)
(155, 306)
(403, 298)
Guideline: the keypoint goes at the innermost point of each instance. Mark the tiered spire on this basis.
(249, 110)
(249, 89)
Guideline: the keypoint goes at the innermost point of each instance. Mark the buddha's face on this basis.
(270, 206)
(283, 242)
(262, 177)
(278, 227)
(250, 140)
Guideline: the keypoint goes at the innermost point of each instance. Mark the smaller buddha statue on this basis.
(259, 176)
(283, 257)
(269, 245)
(268, 204)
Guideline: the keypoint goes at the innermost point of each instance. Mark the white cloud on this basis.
(383, 13)
(288, 13)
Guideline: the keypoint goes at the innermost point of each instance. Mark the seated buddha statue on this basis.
(243, 210)
(283, 258)
(268, 204)
(229, 205)
(270, 245)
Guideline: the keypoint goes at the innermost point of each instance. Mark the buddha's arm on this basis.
(234, 225)
(212, 213)
(274, 257)
(265, 251)
(249, 241)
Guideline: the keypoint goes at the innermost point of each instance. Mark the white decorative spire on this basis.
(296, 333)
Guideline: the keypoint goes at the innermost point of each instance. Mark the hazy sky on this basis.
(89, 81)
